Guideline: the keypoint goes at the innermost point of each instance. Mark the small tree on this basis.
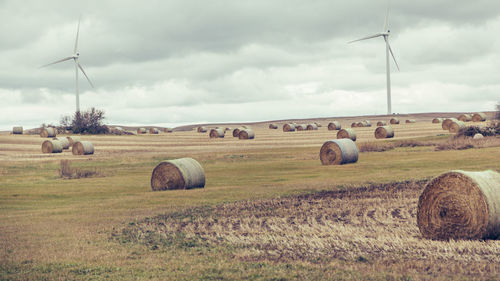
(87, 122)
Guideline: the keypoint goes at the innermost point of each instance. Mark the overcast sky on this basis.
(181, 62)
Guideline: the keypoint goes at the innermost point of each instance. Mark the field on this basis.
(269, 210)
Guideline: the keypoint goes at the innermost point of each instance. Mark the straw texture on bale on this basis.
(478, 136)
(48, 132)
(72, 140)
(456, 126)
(384, 132)
(202, 129)
(311, 127)
(381, 123)
(217, 133)
(154, 131)
(273, 126)
(183, 173)
(478, 117)
(437, 120)
(346, 134)
(334, 125)
(141, 130)
(18, 130)
(289, 128)
(394, 121)
(410, 121)
(82, 148)
(246, 134)
(338, 152)
(447, 122)
(236, 132)
(52, 146)
(465, 117)
(64, 141)
(461, 205)
(300, 127)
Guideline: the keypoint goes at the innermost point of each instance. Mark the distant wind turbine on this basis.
(385, 33)
(75, 56)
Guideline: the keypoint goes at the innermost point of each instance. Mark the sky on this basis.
(169, 63)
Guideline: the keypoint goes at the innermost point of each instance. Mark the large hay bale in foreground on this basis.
(447, 122)
(17, 130)
(409, 121)
(437, 120)
(73, 139)
(465, 117)
(141, 131)
(273, 126)
(311, 127)
(338, 152)
(183, 173)
(334, 125)
(301, 127)
(246, 134)
(394, 121)
(52, 146)
(456, 126)
(217, 133)
(346, 134)
(384, 132)
(82, 148)
(201, 129)
(461, 205)
(381, 123)
(64, 141)
(479, 117)
(289, 128)
(48, 132)
(154, 131)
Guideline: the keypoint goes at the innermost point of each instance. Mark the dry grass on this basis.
(384, 146)
(68, 172)
(467, 143)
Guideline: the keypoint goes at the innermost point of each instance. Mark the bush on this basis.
(491, 130)
(87, 122)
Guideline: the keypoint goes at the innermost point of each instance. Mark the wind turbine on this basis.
(385, 34)
(74, 57)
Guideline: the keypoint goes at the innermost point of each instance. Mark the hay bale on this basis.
(367, 123)
(346, 134)
(202, 129)
(460, 205)
(72, 140)
(52, 146)
(408, 121)
(478, 136)
(318, 124)
(447, 122)
(465, 117)
(169, 130)
(479, 117)
(354, 124)
(246, 134)
(154, 131)
(394, 121)
(338, 152)
(381, 123)
(228, 129)
(64, 141)
(301, 127)
(311, 127)
(273, 126)
(289, 128)
(17, 130)
(456, 126)
(334, 125)
(183, 173)
(48, 132)
(217, 133)
(141, 131)
(236, 132)
(82, 148)
(384, 132)
(437, 120)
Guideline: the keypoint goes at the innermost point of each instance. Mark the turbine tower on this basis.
(385, 34)
(74, 57)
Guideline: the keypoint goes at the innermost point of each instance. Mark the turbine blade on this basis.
(365, 38)
(83, 71)
(392, 54)
(61, 60)
(386, 22)
(77, 32)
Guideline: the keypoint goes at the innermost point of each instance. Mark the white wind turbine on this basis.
(74, 57)
(385, 33)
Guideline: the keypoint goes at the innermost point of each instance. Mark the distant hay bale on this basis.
(409, 121)
(318, 124)
(52, 146)
(301, 127)
(347, 134)
(460, 205)
(217, 133)
(289, 128)
(17, 130)
(246, 134)
(64, 141)
(168, 130)
(141, 131)
(183, 173)
(273, 126)
(311, 127)
(478, 117)
(154, 131)
(478, 136)
(202, 129)
(354, 124)
(456, 126)
(394, 121)
(236, 132)
(73, 139)
(465, 117)
(48, 132)
(384, 132)
(82, 148)
(381, 123)
(437, 120)
(228, 129)
(334, 125)
(338, 152)
(366, 123)
(447, 122)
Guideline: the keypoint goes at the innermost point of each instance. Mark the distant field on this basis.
(269, 211)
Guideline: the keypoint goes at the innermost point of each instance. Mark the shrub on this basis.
(87, 122)
(67, 172)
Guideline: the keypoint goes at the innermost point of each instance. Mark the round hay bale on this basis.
(82, 148)
(141, 131)
(289, 128)
(154, 131)
(72, 140)
(354, 124)
(346, 134)
(228, 129)
(318, 124)
(367, 123)
(408, 121)
(202, 129)
(48, 132)
(456, 126)
(465, 117)
(64, 141)
(381, 123)
(273, 126)
(460, 205)
(168, 130)
(217, 133)
(338, 152)
(479, 117)
(52, 146)
(17, 130)
(246, 134)
(437, 120)
(478, 136)
(447, 122)
(236, 132)
(334, 125)
(384, 132)
(183, 173)
(394, 121)
(311, 127)
(300, 127)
